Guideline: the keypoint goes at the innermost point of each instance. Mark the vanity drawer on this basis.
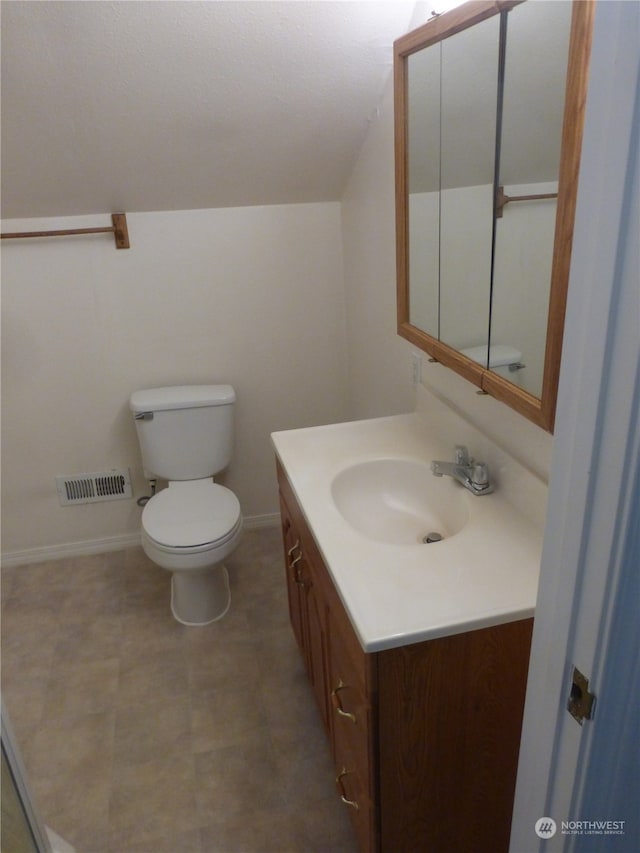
(354, 791)
(350, 707)
(348, 661)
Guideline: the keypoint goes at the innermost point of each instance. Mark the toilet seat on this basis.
(191, 516)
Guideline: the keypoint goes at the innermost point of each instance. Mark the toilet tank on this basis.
(185, 431)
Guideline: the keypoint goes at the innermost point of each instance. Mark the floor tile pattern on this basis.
(141, 735)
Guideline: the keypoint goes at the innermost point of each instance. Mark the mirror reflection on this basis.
(451, 158)
(468, 116)
(423, 104)
(480, 133)
(537, 46)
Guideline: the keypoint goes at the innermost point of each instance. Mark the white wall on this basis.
(295, 305)
(424, 260)
(379, 361)
(251, 296)
(522, 275)
(465, 264)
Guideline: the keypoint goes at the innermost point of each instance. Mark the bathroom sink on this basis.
(399, 501)
(367, 491)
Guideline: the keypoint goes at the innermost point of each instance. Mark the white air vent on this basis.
(91, 488)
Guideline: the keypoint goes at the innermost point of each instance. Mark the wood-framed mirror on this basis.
(489, 113)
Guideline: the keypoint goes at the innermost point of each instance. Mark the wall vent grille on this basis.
(91, 488)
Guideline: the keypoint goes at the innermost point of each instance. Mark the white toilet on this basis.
(504, 360)
(186, 436)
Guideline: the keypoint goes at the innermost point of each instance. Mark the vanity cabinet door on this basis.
(307, 606)
(293, 558)
(316, 620)
(450, 715)
(352, 724)
(350, 698)
(353, 790)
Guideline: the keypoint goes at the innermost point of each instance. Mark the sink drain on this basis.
(431, 537)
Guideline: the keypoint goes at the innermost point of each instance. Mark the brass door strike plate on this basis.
(581, 704)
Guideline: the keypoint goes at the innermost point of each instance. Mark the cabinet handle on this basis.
(293, 562)
(297, 576)
(340, 786)
(337, 704)
(293, 548)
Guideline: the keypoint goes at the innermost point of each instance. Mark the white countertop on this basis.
(486, 574)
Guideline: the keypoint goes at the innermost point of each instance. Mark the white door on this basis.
(585, 778)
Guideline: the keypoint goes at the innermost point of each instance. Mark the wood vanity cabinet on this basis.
(425, 737)
(306, 605)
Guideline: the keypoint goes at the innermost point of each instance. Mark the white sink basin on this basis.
(364, 483)
(399, 501)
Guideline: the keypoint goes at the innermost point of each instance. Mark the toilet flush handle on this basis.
(143, 416)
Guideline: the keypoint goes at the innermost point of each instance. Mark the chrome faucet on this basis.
(473, 475)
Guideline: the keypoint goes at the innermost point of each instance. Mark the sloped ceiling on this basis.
(154, 105)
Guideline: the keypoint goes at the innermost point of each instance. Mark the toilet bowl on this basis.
(189, 528)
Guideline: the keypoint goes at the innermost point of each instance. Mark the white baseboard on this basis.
(58, 844)
(70, 549)
(254, 522)
(108, 543)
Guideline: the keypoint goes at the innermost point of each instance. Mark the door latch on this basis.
(581, 704)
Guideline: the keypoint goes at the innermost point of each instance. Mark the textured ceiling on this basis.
(155, 105)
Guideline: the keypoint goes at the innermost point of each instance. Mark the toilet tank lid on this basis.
(181, 397)
(499, 354)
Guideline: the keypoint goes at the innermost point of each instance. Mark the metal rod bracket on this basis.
(502, 199)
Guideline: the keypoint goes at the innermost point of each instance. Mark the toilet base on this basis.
(200, 598)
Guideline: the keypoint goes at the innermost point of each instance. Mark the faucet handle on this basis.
(480, 475)
(461, 455)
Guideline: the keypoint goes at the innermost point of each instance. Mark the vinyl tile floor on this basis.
(140, 735)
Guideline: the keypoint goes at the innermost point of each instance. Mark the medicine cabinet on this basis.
(489, 111)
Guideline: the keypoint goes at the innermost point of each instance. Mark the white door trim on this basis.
(596, 443)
